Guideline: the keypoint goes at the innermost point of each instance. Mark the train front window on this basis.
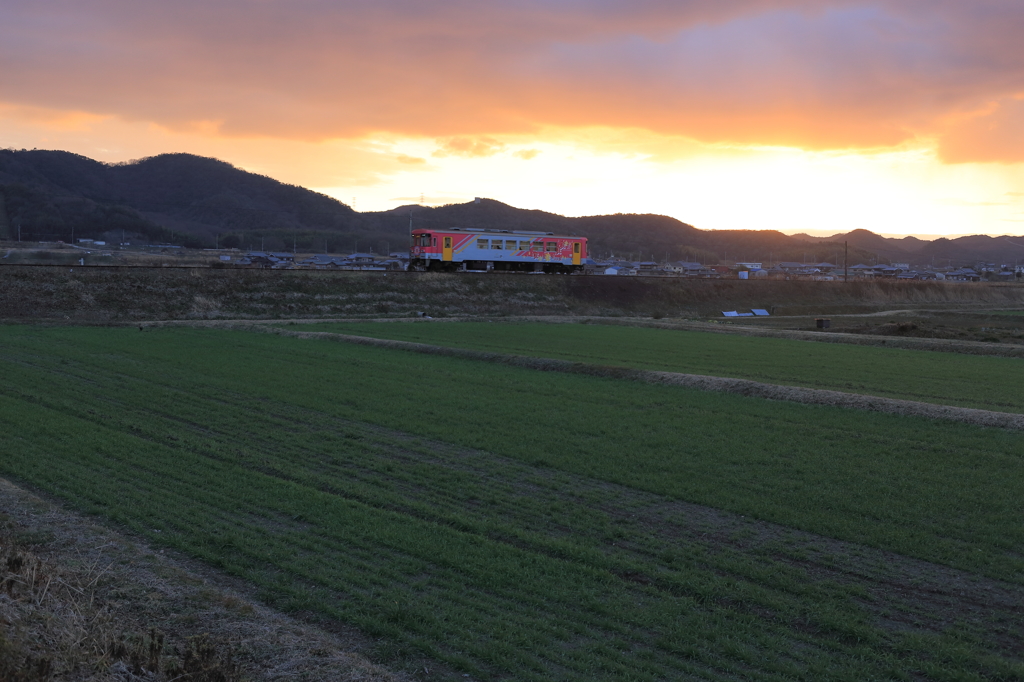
(421, 240)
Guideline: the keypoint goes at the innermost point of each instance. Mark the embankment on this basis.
(99, 294)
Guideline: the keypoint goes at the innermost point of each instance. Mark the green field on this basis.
(983, 382)
(514, 524)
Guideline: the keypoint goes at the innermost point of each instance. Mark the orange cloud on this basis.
(994, 135)
(65, 120)
(469, 147)
(821, 74)
(526, 154)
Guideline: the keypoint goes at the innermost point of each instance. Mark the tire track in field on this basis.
(746, 387)
(902, 593)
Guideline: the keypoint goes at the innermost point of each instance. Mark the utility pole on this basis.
(846, 261)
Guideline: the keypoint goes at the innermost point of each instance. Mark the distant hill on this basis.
(645, 237)
(939, 252)
(177, 198)
(197, 201)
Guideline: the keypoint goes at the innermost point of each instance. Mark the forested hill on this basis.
(197, 201)
(178, 198)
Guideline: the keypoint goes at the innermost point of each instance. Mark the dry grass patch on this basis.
(80, 602)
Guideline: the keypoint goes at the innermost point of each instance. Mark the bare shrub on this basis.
(201, 305)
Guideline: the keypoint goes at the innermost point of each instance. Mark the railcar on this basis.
(483, 250)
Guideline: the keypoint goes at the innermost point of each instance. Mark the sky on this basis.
(817, 116)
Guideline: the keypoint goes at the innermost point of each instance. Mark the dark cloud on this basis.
(811, 73)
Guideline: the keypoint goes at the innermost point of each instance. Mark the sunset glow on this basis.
(816, 116)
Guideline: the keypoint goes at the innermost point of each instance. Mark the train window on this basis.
(424, 240)
(495, 243)
(539, 246)
(524, 246)
(551, 246)
(575, 247)
(435, 241)
(481, 243)
(510, 244)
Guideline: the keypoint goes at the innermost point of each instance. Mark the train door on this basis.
(576, 256)
(446, 249)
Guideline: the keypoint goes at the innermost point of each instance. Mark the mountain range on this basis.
(202, 202)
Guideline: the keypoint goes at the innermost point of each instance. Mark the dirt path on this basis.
(1006, 420)
(1011, 350)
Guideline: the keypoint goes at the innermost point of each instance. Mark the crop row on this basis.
(470, 512)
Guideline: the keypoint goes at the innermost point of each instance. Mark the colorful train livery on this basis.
(471, 249)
